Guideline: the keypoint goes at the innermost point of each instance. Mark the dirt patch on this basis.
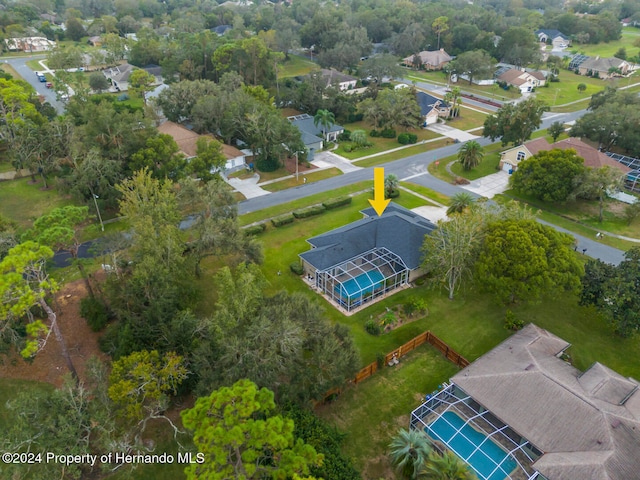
(49, 365)
(290, 165)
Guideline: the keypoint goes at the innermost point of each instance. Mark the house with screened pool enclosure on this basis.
(367, 259)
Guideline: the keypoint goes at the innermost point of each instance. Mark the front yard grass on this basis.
(566, 90)
(403, 153)
(296, 66)
(310, 176)
(427, 192)
(467, 119)
(488, 166)
(23, 203)
(11, 71)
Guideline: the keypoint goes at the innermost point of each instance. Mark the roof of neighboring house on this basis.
(334, 77)
(586, 423)
(153, 69)
(519, 77)
(95, 39)
(221, 29)
(435, 58)
(185, 138)
(602, 64)
(230, 151)
(306, 124)
(593, 157)
(428, 103)
(120, 73)
(398, 229)
(552, 33)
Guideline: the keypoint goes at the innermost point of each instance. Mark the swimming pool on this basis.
(364, 284)
(489, 460)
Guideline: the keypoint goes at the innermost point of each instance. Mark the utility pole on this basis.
(95, 201)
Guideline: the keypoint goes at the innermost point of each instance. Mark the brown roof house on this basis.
(522, 412)
(509, 159)
(334, 78)
(604, 67)
(187, 143)
(435, 60)
(29, 44)
(525, 81)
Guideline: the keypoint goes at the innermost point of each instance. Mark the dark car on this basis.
(42, 78)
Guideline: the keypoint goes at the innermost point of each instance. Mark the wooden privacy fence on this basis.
(389, 359)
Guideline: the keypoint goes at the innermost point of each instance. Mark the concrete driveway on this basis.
(490, 185)
(451, 132)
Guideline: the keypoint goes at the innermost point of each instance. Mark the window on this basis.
(521, 156)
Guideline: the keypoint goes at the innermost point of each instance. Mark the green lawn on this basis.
(629, 35)
(295, 66)
(372, 412)
(11, 71)
(23, 203)
(426, 192)
(566, 90)
(467, 119)
(249, 218)
(403, 153)
(488, 166)
(310, 176)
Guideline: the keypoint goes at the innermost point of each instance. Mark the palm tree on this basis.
(460, 202)
(326, 119)
(446, 467)
(470, 155)
(391, 184)
(409, 452)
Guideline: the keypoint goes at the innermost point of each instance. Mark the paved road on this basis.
(20, 64)
(414, 168)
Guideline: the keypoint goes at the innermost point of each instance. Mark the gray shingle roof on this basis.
(575, 418)
(398, 229)
(428, 102)
(305, 123)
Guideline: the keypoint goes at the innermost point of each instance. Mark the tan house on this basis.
(593, 158)
(603, 67)
(187, 141)
(533, 415)
(435, 60)
(525, 81)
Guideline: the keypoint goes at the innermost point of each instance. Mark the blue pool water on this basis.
(485, 459)
(365, 282)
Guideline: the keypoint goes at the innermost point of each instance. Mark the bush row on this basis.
(255, 229)
(309, 211)
(407, 138)
(386, 133)
(336, 202)
(282, 219)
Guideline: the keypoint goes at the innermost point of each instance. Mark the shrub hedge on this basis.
(296, 268)
(407, 138)
(309, 211)
(336, 202)
(255, 229)
(282, 219)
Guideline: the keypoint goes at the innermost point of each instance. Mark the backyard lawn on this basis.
(23, 203)
(295, 66)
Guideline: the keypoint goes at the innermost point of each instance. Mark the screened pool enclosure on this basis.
(360, 279)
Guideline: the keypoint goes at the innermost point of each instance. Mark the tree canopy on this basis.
(241, 437)
(520, 261)
(515, 123)
(550, 175)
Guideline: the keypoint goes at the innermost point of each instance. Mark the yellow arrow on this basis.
(378, 203)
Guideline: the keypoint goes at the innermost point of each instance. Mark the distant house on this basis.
(334, 78)
(95, 41)
(29, 44)
(119, 76)
(312, 134)
(435, 60)
(554, 37)
(593, 158)
(521, 411)
(220, 30)
(369, 258)
(525, 81)
(432, 108)
(52, 19)
(187, 141)
(604, 67)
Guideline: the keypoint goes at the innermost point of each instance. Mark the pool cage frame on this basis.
(631, 179)
(453, 398)
(390, 266)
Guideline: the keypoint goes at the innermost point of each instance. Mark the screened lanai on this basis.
(362, 278)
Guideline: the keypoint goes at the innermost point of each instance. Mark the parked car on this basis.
(49, 85)
(42, 78)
